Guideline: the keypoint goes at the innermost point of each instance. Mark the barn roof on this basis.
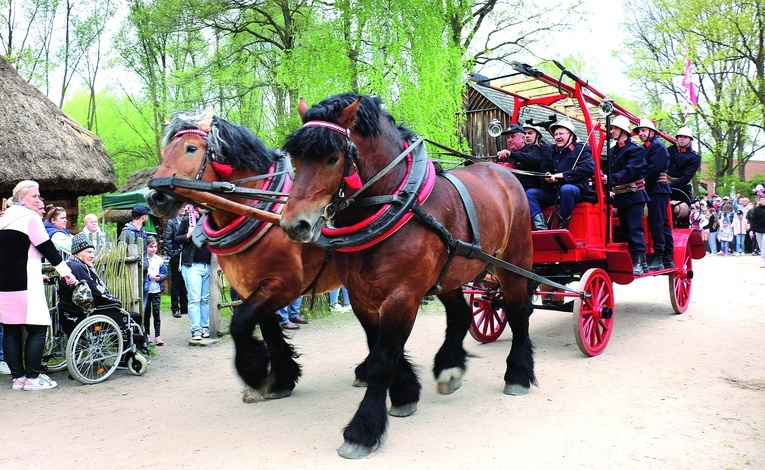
(40, 142)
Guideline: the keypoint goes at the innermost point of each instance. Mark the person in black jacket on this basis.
(173, 242)
(684, 162)
(195, 265)
(657, 187)
(81, 264)
(569, 167)
(522, 155)
(628, 168)
(757, 226)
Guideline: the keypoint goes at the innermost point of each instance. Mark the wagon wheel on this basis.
(488, 320)
(593, 316)
(680, 283)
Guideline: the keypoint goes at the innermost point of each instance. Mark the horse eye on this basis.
(191, 149)
(333, 160)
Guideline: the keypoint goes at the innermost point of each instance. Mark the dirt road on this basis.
(670, 391)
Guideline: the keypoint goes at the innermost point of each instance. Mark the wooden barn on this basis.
(41, 143)
(485, 100)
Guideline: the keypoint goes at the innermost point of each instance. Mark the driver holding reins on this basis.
(524, 153)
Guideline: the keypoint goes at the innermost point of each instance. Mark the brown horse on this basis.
(389, 259)
(266, 269)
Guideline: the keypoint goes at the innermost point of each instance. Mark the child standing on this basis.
(153, 284)
(725, 235)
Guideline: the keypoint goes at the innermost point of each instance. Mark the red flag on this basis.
(688, 82)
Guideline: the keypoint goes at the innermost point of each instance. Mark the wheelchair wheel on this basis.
(137, 364)
(54, 355)
(94, 350)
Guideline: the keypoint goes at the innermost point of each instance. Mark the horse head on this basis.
(204, 148)
(339, 147)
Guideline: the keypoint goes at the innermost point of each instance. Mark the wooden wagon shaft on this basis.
(222, 203)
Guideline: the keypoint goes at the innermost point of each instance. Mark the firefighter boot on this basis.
(637, 266)
(669, 260)
(539, 222)
(563, 223)
(657, 264)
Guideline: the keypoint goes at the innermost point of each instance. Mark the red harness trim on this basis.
(256, 234)
(425, 192)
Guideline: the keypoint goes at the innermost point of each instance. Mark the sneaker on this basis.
(4, 369)
(344, 308)
(149, 339)
(42, 382)
(159, 341)
(196, 336)
(205, 333)
(18, 384)
(176, 314)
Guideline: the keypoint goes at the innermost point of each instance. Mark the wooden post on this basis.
(215, 296)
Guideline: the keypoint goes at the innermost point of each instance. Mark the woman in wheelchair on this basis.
(70, 313)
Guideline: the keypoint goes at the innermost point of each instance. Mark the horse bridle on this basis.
(339, 201)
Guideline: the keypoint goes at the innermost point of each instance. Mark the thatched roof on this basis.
(38, 141)
(138, 180)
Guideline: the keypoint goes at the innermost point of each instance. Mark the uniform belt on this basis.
(633, 187)
(663, 178)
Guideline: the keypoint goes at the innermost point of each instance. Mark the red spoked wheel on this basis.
(594, 316)
(680, 283)
(488, 320)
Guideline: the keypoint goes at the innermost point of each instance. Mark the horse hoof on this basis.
(403, 411)
(277, 395)
(352, 450)
(250, 395)
(450, 380)
(360, 383)
(515, 389)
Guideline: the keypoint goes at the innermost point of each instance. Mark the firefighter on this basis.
(684, 162)
(523, 155)
(568, 166)
(657, 187)
(628, 167)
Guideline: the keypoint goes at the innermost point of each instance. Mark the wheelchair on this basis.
(97, 346)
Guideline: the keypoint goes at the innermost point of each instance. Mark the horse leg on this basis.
(364, 433)
(449, 364)
(371, 331)
(285, 372)
(404, 389)
(519, 375)
(251, 355)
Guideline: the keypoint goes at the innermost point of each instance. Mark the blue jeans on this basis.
(197, 278)
(740, 243)
(333, 295)
(2, 356)
(290, 311)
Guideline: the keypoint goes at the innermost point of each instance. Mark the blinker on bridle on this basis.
(351, 178)
(219, 168)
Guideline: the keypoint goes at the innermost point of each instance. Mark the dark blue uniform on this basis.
(628, 166)
(528, 158)
(683, 164)
(657, 161)
(576, 165)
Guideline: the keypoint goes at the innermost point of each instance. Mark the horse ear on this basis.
(302, 107)
(347, 117)
(206, 122)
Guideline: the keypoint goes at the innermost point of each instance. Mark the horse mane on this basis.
(315, 142)
(231, 143)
